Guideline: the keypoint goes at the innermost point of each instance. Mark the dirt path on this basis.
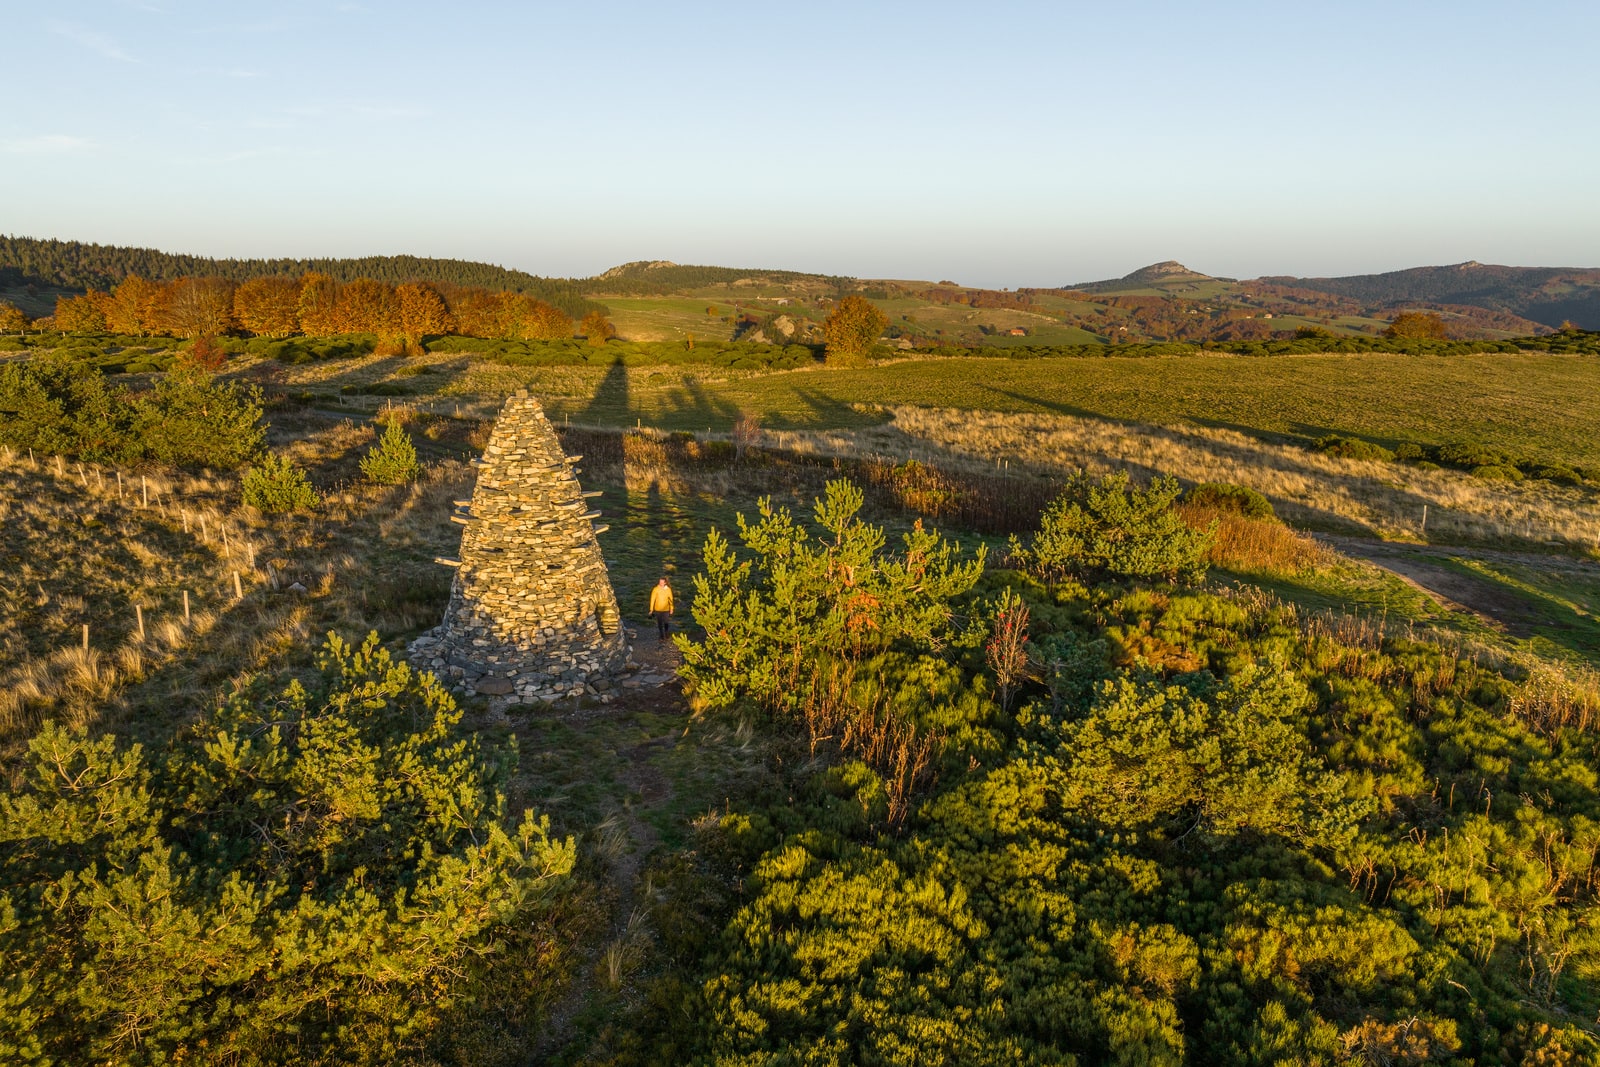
(653, 688)
(1425, 567)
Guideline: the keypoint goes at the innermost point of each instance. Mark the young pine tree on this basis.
(275, 485)
(393, 460)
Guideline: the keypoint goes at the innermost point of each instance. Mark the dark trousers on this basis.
(663, 624)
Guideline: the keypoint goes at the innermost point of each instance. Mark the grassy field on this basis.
(1534, 404)
(1201, 418)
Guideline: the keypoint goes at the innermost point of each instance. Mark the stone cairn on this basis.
(532, 615)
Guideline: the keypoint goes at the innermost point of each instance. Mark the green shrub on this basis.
(1558, 473)
(1236, 499)
(298, 350)
(1427, 465)
(1467, 455)
(63, 405)
(803, 602)
(312, 876)
(1497, 472)
(1410, 452)
(393, 459)
(275, 484)
(1105, 527)
(1353, 448)
(59, 405)
(190, 419)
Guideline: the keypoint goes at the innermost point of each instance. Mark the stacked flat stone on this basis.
(532, 614)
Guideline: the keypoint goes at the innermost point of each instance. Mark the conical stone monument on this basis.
(532, 614)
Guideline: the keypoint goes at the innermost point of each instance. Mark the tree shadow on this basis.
(690, 406)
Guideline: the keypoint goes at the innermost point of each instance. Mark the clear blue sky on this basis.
(1000, 143)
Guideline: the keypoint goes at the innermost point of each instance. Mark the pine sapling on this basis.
(393, 460)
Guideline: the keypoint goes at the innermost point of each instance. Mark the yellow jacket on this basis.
(660, 599)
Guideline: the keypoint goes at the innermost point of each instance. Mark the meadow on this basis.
(1524, 404)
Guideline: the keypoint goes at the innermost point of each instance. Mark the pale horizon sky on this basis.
(1007, 144)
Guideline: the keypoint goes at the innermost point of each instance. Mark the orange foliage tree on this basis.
(197, 307)
(422, 313)
(268, 307)
(534, 320)
(204, 355)
(852, 330)
(12, 320)
(597, 328)
(1418, 325)
(478, 312)
(81, 314)
(367, 306)
(319, 305)
(133, 307)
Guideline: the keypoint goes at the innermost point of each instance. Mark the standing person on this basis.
(661, 608)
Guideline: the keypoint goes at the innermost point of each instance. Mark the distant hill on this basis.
(1546, 295)
(1167, 272)
(78, 266)
(662, 277)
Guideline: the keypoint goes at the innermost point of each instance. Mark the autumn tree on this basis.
(81, 314)
(319, 305)
(367, 306)
(477, 312)
(852, 329)
(205, 355)
(422, 313)
(1418, 326)
(196, 307)
(133, 307)
(597, 328)
(268, 307)
(12, 320)
(534, 320)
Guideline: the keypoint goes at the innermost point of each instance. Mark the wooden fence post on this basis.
(86, 637)
(186, 607)
(138, 613)
(238, 589)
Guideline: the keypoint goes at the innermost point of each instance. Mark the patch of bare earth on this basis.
(1424, 568)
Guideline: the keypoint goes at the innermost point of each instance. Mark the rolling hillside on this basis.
(1546, 295)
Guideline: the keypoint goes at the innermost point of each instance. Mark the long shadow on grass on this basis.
(611, 400)
(690, 407)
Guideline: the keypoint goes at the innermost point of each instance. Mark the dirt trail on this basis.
(1426, 568)
(653, 688)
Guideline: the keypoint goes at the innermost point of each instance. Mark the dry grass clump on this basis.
(1556, 697)
(1246, 545)
(1305, 487)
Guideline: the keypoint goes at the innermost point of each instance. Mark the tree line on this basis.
(77, 265)
(314, 304)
